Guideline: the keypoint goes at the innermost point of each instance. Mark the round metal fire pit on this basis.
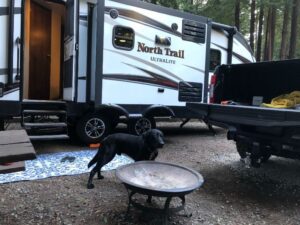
(161, 180)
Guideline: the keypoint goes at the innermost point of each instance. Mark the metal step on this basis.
(43, 105)
(45, 125)
(49, 137)
(33, 101)
(44, 112)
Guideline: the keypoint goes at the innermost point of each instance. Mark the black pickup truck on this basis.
(236, 94)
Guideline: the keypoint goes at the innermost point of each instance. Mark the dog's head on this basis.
(154, 139)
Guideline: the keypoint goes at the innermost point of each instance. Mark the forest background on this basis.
(272, 27)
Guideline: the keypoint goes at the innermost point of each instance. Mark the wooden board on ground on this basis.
(14, 167)
(15, 146)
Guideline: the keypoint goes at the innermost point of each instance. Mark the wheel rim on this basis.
(94, 128)
(142, 125)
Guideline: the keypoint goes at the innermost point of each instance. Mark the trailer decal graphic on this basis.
(137, 17)
(162, 60)
(142, 47)
(141, 79)
(148, 64)
(194, 68)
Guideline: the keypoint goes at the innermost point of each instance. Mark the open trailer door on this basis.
(10, 58)
(70, 50)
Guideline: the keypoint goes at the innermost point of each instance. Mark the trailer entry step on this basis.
(44, 112)
(45, 125)
(45, 120)
(48, 137)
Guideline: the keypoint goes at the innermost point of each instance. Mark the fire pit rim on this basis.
(160, 192)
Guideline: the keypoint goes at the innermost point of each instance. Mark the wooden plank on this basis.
(13, 136)
(15, 146)
(16, 152)
(14, 167)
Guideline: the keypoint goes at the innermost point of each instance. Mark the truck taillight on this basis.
(213, 81)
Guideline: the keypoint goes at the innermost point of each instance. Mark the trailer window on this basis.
(123, 38)
(215, 59)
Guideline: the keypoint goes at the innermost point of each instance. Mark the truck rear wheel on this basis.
(141, 125)
(265, 156)
(92, 128)
(243, 148)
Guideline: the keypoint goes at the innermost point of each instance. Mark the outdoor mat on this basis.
(60, 164)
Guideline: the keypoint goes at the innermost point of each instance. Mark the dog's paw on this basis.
(100, 177)
(90, 186)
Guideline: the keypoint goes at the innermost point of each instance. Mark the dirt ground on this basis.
(231, 194)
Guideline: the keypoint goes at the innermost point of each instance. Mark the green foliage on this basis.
(222, 11)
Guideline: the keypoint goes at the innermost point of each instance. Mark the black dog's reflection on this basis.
(144, 147)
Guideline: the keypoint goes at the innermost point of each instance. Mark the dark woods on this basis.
(271, 26)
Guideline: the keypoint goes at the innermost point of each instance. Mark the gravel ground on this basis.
(231, 194)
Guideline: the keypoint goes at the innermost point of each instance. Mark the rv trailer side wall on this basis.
(155, 60)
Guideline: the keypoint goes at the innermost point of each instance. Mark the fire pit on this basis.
(160, 180)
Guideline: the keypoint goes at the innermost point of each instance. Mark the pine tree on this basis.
(294, 29)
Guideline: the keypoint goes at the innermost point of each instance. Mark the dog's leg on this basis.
(100, 177)
(96, 169)
(90, 185)
(107, 157)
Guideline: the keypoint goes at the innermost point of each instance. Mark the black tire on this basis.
(242, 148)
(265, 157)
(92, 128)
(141, 125)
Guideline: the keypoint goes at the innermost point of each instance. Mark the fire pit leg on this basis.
(166, 211)
(187, 214)
(130, 194)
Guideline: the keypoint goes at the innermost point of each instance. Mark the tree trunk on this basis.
(270, 34)
(259, 34)
(237, 13)
(284, 36)
(272, 31)
(294, 26)
(267, 36)
(252, 24)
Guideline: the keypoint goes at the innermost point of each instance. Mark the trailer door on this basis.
(70, 50)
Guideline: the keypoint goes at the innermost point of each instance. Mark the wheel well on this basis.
(112, 112)
(159, 111)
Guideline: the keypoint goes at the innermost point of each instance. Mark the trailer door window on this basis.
(123, 38)
(215, 59)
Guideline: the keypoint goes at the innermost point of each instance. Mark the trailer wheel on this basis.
(92, 128)
(141, 125)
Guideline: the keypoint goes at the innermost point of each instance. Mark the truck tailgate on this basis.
(249, 115)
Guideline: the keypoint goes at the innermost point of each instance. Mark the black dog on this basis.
(139, 148)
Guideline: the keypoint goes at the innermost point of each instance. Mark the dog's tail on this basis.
(95, 159)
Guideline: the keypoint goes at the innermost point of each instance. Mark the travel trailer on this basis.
(85, 65)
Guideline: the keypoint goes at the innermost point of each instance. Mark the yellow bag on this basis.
(285, 101)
